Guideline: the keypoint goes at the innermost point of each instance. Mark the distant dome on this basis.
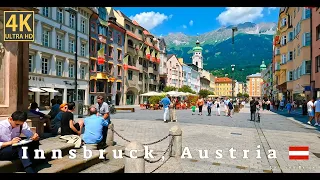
(197, 48)
(263, 65)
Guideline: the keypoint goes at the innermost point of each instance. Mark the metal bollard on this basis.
(176, 133)
(134, 161)
(110, 135)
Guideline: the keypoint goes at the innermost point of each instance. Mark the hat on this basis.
(63, 105)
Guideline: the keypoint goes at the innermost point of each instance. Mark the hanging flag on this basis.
(101, 56)
(153, 55)
(298, 152)
(148, 53)
(125, 59)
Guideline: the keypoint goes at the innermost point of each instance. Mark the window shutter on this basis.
(303, 39)
(303, 67)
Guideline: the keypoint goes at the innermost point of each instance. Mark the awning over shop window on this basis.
(33, 89)
(49, 90)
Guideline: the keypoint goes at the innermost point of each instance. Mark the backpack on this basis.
(218, 105)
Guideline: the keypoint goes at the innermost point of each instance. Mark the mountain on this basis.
(252, 44)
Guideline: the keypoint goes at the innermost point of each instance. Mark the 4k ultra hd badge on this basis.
(18, 26)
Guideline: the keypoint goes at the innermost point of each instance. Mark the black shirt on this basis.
(253, 105)
(65, 126)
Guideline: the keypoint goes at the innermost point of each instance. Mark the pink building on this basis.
(174, 70)
(315, 75)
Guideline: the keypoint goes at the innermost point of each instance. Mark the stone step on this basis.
(67, 165)
(110, 166)
(47, 145)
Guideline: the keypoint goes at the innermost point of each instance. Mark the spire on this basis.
(263, 66)
(112, 16)
(198, 43)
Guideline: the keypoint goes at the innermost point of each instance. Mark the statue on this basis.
(2, 50)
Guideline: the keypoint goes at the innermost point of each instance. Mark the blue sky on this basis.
(194, 20)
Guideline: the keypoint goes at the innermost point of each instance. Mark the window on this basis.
(83, 25)
(72, 20)
(129, 75)
(102, 30)
(140, 77)
(119, 54)
(294, 13)
(308, 67)
(298, 50)
(31, 63)
(82, 72)
(92, 85)
(290, 56)
(290, 20)
(93, 45)
(71, 46)
(140, 31)
(59, 42)
(283, 58)
(60, 15)
(44, 66)
(93, 27)
(92, 65)
(277, 51)
(119, 70)
(110, 34)
(306, 39)
(119, 39)
(71, 70)
(46, 11)
(318, 64)
(290, 34)
(110, 50)
(318, 32)
(130, 44)
(284, 40)
(290, 76)
(100, 67)
(46, 38)
(155, 67)
(59, 68)
(294, 53)
(140, 60)
(118, 86)
(306, 13)
(128, 27)
(102, 13)
(283, 22)
(100, 86)
(83, 50)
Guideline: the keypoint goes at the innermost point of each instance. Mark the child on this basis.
(193, 108)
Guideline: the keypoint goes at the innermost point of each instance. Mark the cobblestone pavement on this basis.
(222, 133)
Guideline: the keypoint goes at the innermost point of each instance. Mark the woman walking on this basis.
(217, 104)
(200, 104)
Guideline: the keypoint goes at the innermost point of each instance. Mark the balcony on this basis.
(131, 50)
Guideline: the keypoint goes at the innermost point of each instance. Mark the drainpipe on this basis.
(311, 82)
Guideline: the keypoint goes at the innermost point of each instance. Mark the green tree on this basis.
(246, 95)
(186, 89)
(205, 93)
(169, 88)
(239, 95)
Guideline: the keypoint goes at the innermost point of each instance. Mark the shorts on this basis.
(311, 113)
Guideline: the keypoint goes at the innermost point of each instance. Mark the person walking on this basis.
(310, 107)
(217, 104)
(317, 112)
(289, 107)
(165, 103)
(253, 109)
(200, 104)
(209, 106)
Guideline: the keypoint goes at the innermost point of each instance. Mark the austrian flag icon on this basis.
(298, 152)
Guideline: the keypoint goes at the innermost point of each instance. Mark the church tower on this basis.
(197, 56)
(263, 66)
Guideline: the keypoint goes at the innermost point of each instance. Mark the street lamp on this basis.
(232, 69)
(75, 13)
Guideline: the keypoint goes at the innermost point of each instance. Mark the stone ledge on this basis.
(47, 145)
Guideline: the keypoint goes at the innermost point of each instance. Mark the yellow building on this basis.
(241, 87)
(223, 87)
(254, 83)
(293, 52)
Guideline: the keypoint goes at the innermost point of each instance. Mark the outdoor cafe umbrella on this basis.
(175, 93)
(151, 93)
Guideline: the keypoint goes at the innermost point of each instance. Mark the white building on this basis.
(52, 58)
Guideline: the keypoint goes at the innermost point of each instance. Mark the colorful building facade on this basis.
(254, 83)
(174, 70)
(315, 70)
(223, 87)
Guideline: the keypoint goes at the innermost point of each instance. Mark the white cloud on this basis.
(184, 26)
(150, 20)
(191, 23)
(236, 15)
(270, 9)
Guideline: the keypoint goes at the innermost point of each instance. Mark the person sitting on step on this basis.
(94, 125)
(43, 117)
(10, 131)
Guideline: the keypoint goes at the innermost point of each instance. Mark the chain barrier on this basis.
(145, 144)
(161, 157)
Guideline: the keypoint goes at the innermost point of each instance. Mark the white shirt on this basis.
(310, 106)
(317, 106)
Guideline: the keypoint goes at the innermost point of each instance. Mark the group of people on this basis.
(60, 120)
(169, 104)
(313, 107)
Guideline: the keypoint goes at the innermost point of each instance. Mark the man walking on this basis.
(209, 106)
(310, 107)
(165, 102)
(253, 109)
(317, 112)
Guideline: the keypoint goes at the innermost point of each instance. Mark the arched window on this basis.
(129, 60)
